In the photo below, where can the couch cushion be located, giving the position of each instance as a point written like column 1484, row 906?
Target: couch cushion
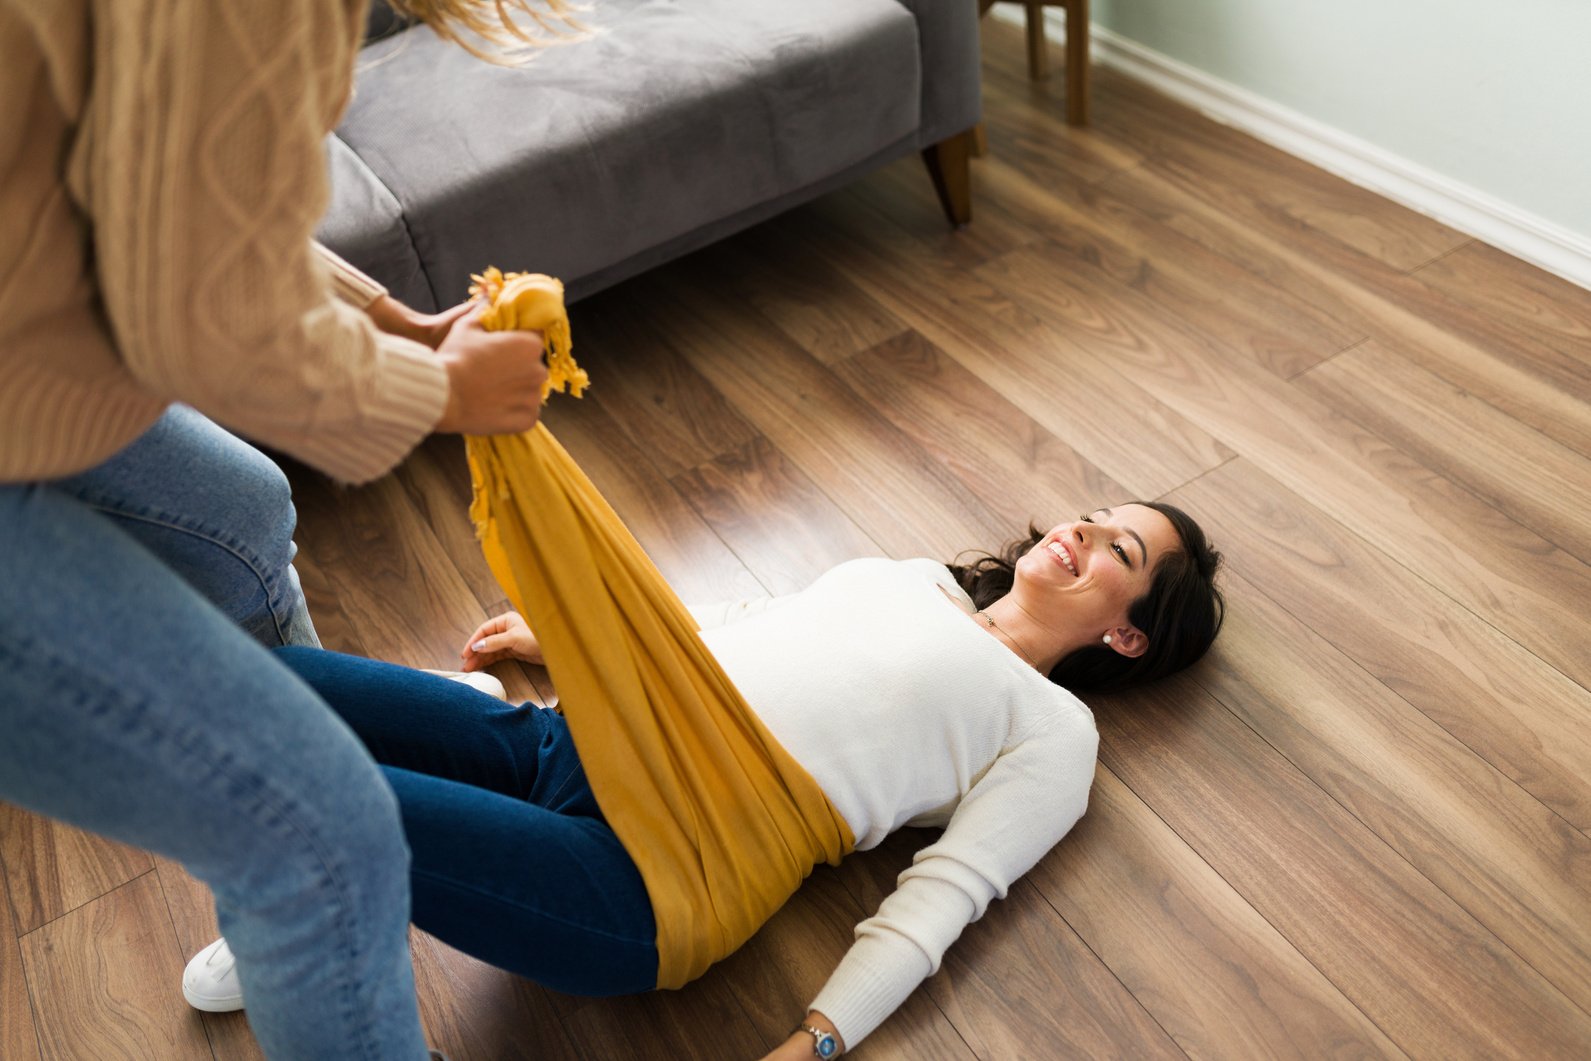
column 676, row 115
column 365, row 224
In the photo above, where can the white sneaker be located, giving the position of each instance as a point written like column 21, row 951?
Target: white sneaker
column 210, row 982
column 477, row 680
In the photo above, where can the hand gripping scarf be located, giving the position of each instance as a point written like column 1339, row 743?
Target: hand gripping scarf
column 722, row 823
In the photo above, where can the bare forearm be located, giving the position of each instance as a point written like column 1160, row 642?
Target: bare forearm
column 394, row 318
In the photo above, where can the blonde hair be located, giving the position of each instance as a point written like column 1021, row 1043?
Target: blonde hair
column 497, row 24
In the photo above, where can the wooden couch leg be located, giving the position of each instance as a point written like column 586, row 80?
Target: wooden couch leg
column 1077, row 31
column 1038, row 60
column 950, row 167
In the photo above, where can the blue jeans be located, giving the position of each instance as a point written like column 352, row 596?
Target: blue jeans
column 513, row 861
column 138, row 700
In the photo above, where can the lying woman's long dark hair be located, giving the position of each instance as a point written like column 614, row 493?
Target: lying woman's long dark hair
column 1180, row 614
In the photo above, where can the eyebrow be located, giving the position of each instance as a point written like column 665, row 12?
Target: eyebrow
column 1135, row 537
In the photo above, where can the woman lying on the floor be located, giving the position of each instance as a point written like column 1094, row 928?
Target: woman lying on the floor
column 912, row 692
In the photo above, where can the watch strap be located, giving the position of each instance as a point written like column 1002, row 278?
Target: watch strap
column 824, row 1044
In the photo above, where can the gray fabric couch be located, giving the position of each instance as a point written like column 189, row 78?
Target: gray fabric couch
column 680, row 122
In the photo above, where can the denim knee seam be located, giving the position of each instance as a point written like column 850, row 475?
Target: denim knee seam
column 256, row 565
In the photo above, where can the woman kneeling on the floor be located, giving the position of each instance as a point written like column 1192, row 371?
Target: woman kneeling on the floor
column 915, row 693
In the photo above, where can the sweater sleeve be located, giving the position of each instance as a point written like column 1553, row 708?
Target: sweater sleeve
column 203, row 171
column 1031, row 796
column 348, row 283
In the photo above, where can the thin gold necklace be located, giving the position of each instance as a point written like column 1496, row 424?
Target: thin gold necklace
column 1014, row 642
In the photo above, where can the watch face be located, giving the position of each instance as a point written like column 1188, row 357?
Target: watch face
column 827, row 1046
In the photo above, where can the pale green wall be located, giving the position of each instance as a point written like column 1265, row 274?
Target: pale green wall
column 1495, row 95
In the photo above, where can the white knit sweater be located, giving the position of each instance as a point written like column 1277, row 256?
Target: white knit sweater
column 906, row 712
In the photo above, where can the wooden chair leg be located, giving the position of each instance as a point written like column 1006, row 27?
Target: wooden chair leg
column 1038, row 62
column 980, row 141
column 1077, row 33
column 950, row 167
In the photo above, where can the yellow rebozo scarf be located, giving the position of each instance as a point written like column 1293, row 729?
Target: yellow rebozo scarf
column 722, row 823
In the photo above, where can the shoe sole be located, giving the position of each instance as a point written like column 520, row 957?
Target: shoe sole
column 229, row 1004
column 492, row 686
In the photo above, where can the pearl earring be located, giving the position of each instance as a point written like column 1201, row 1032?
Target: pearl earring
column 1107, row 639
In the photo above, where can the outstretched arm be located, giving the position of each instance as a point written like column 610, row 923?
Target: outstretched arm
column 1031, row 796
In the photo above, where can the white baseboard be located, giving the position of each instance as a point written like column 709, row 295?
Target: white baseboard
column 1536, row 240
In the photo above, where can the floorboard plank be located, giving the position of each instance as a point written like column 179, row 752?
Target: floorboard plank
column 53, row 868
column 1275, row 327
column 1527, row 301
column 777, row 521
column 1510, row 862
column 1015, row 467
column 703, row 1019
column 436, row 481
column 375, row 548
column 1028, row 131
column 18, row 1037
column 901, row 194
column 1427, row 333
column 105, row 980
column 1031, row 364
column 1488, row 691
column 1238, row 177
column 788, row 283
column 476, row 1012
column 1509, row 465
column 997, row 985
column 648, row 391
column 1431, row 977
column 693, row 558
column 1268, row 187
column 878, row 477
column 1209, row 969
column 332, row 625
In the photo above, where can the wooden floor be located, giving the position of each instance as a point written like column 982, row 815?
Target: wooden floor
column 1360, row 827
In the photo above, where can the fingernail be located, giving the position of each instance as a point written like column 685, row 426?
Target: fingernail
column 479, row 646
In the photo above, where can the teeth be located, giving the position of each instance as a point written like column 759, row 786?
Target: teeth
column 1058, row 550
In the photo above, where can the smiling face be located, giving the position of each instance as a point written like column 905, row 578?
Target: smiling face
column 1084, row 575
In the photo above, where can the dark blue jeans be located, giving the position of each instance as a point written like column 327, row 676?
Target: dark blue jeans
column 513, row 861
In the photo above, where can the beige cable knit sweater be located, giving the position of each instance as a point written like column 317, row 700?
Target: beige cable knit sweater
column 161, row 175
